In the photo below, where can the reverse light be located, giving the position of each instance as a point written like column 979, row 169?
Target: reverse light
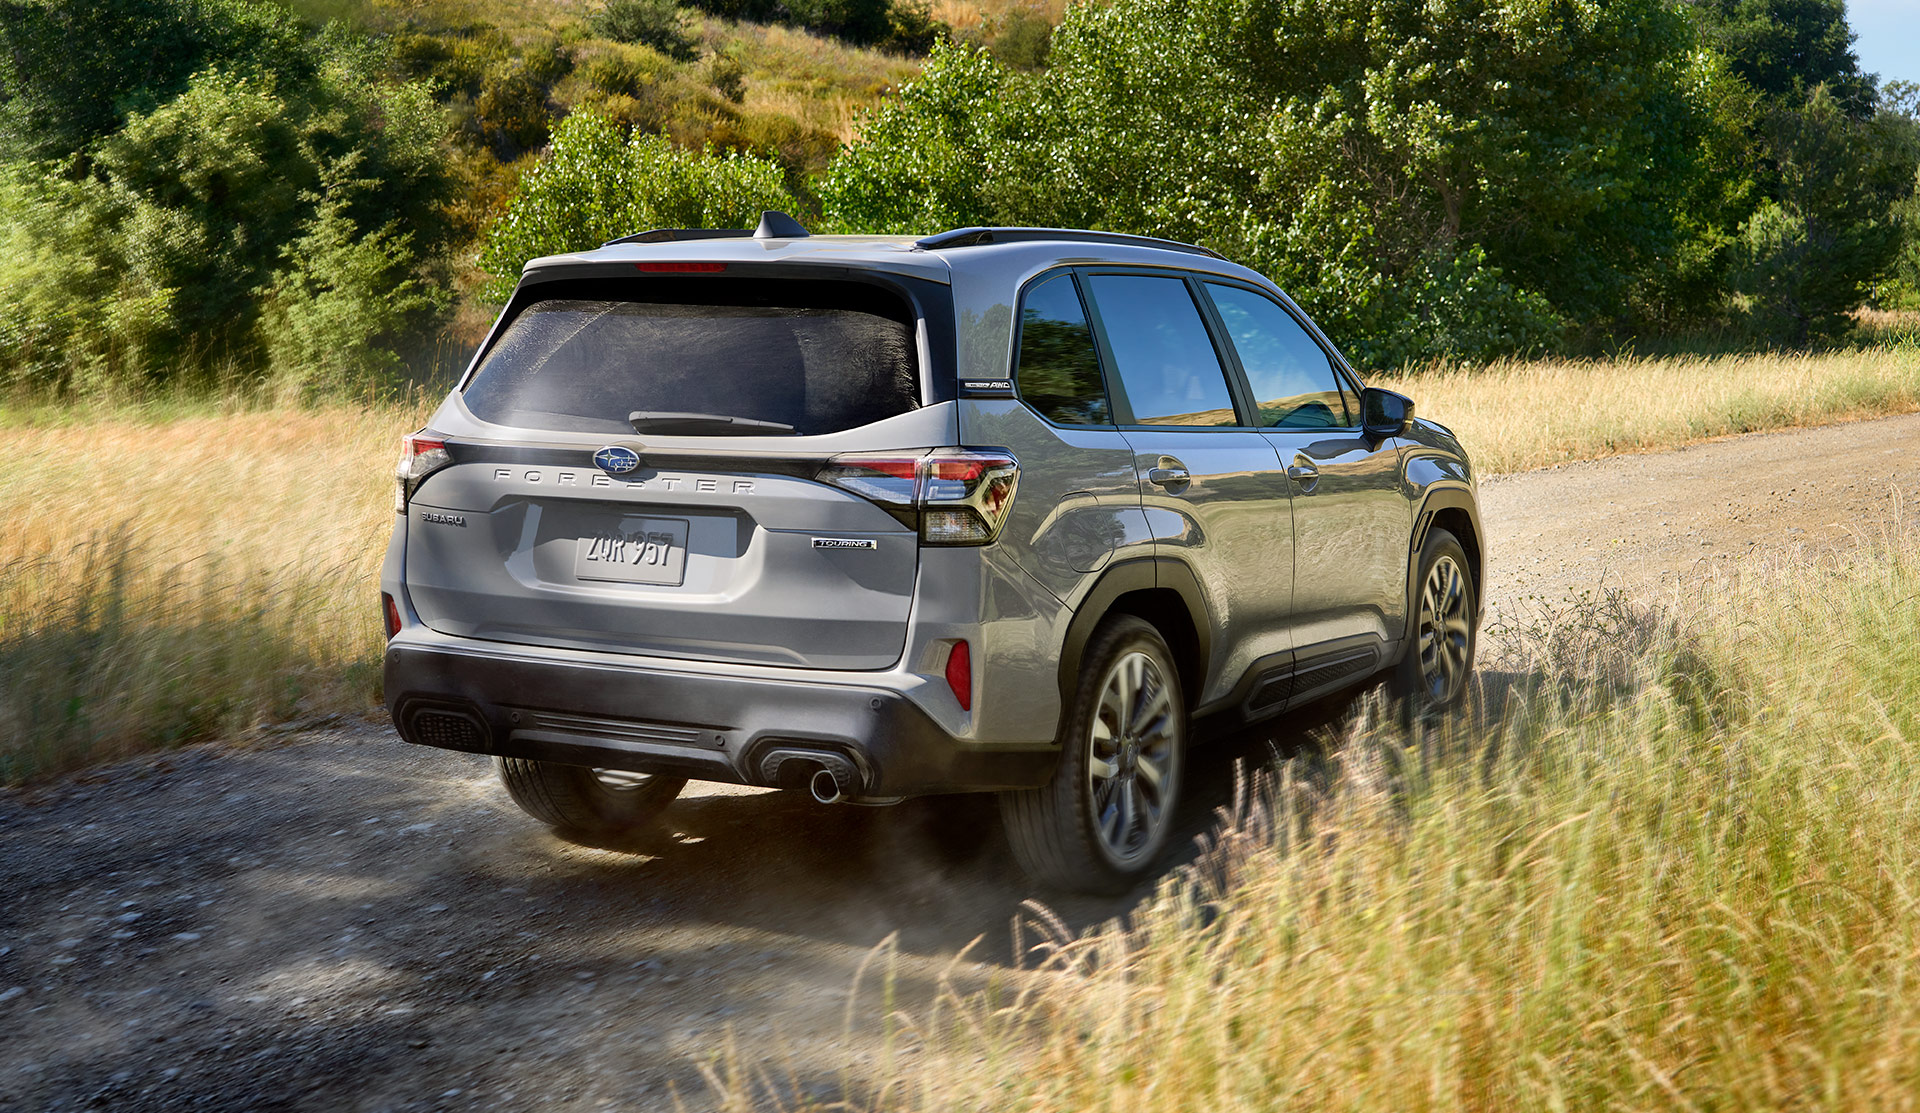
column 954, row 496
column 421, row 454
column 960, row 674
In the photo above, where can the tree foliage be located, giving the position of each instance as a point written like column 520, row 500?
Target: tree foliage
column 211, row 232
column 598, row 183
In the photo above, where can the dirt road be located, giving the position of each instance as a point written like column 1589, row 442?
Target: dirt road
column 341, row 921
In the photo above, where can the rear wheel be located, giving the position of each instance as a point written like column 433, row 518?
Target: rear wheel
column 590, row 801
column 1101, row 823
column 1433, row 673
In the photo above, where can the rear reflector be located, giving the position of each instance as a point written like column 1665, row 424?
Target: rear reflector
column 960, row 674
column 393, row 614
column 681, row 268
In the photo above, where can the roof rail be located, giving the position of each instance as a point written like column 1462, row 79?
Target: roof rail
column 674, row 235
column 979, row 237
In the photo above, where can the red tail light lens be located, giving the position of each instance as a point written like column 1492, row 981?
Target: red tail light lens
column 960, row 674
column 393, row 614
column 962, row 496
column 421, row 454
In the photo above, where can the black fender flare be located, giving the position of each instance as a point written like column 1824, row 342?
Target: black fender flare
column 1444, row 495
column 1139, row 574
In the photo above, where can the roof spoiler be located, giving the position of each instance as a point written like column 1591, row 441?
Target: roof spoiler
column 773, row 226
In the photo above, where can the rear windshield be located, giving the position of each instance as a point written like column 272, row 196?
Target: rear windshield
column 819, row 356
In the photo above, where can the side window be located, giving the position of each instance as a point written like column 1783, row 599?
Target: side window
column 1059, row 369
column 1294, row 386
column 1161, row 351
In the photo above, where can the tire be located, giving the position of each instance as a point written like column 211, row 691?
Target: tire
column 1092, row 832
column 589, row 801
column 1432, row 674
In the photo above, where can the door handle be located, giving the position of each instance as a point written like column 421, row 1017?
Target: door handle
column 1305, row 474
column 1175, row 476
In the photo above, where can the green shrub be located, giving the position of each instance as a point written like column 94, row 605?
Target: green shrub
column 340, row 306
column 597, row 183
column 222, row 206
column 660, row 24
column 72, row 71
column 911, row 28
column 1022, row 38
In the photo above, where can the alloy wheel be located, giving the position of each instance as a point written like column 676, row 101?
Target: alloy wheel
column 1445, row 630
column 1132, row 762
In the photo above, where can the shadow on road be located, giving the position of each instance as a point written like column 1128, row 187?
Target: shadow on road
column 936, row 871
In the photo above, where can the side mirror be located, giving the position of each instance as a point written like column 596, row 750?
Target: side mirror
column 1384, row 413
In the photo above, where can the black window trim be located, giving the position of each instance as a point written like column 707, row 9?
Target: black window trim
column 1099, row 350
column 1334, row 363
column 1117, row 398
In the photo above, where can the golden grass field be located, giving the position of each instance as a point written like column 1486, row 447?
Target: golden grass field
column 174, row 574
column 1677, row 869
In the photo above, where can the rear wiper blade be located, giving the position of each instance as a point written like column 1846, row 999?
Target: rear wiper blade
column 661, row 421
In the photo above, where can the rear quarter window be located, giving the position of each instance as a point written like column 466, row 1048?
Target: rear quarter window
column 818, row 356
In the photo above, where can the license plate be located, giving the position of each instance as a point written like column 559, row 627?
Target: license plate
column 635, row 551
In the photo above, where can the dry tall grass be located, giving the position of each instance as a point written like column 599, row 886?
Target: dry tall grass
column 167, row 577
column 1516, row 416
column 1684, row 873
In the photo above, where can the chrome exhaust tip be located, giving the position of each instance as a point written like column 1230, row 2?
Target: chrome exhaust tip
column 826, row 786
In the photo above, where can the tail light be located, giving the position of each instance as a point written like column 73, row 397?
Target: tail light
column 960, row 674
column 954, row 496
column 421, row 454
column 392, row 610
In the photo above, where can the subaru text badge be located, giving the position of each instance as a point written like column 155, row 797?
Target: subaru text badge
column 617, row 459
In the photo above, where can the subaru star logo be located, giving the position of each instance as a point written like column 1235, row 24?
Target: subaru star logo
column 615, row 460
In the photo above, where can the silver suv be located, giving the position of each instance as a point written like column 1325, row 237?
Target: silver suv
column 997, row 510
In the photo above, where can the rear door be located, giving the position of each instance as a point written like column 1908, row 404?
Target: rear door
column 1212, row 492
column 1351, row 516
column 615, row 492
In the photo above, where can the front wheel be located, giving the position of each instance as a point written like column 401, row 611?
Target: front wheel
column 1433, row 672
column 1101, row 823
column 587, row 801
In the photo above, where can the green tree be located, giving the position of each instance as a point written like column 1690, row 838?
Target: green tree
column 597, row 183
column 72, row 71
column 1784, row 48
column 1462, row 173
column 1830, row 224
column 160, row 257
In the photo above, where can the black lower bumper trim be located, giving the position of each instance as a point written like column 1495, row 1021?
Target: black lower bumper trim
column 686, row 724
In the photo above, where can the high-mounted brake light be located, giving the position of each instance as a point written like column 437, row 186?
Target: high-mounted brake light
column 955, row 496
column 681, row 268
column 421, row 454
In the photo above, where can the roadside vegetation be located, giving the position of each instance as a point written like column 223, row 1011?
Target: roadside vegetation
column 326, row 197
column 1672, row 869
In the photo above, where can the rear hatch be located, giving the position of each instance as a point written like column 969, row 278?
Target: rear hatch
column 634, row 466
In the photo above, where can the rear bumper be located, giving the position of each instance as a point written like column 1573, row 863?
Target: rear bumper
column 556, row 705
